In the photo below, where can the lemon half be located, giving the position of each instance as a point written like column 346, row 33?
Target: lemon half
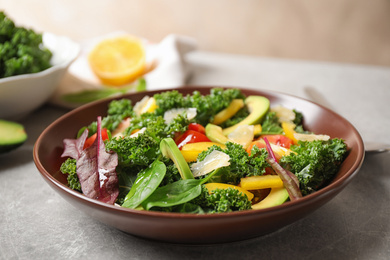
column 119, row 60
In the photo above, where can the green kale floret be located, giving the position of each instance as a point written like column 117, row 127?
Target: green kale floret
column 21, row 50
column 221, row 200
column 315, row 163
column 117, row 111
column 69, row 168
column 271, row 124
column 147, row 120
column 168, row 100
column 141, row 150
column 206, row 105
column 218, row 201
column 156, row 127
column 172, row 174
column 298, row 120
column 241, row 163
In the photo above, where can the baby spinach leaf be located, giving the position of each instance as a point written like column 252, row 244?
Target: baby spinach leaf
column 89, row 95
column 173, row 194
column 146, row 183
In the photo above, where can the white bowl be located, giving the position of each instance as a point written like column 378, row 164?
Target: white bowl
column 21, row 94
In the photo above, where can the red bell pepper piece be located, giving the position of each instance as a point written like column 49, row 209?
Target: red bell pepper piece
column 280, row 140
column 197, row 127
column 190, row 136
column 92, row 138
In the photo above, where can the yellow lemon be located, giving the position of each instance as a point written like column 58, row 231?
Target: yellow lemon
column 119, row 60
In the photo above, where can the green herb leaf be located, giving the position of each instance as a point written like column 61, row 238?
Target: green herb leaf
column 145, row 184
column 91, row 95
column 87, row 96
column 174, row 194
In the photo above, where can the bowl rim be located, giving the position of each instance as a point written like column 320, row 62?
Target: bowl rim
column 64, row 64
column 338, row 184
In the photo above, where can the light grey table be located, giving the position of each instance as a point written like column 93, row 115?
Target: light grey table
column 36, row 223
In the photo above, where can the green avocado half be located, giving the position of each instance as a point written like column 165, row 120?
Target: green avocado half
column 12, row 135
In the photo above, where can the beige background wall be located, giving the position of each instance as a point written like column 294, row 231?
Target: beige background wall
column 349, row 31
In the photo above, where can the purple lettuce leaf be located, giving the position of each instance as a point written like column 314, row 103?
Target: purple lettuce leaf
column 74, row 147
column 95, row 167
column 289, row 179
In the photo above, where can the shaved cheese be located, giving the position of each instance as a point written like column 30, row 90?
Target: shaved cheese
column 242, row 135
column 173, row 113
column 140, row 104
column 284, row 114
column 216, row 159
column 141, row 131
column 311, row 137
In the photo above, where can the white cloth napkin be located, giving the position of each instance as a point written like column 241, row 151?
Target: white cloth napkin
column 171, row 70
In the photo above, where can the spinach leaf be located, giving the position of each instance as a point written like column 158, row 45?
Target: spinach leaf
column 89, row 95
column 174, row 194
column 145, row 184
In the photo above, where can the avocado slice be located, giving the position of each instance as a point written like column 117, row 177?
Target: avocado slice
column 215, row 134
column 12, row 135
column 277, row 196
column 258, row 106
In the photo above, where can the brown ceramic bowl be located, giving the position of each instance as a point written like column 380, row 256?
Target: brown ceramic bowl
column 192, row 228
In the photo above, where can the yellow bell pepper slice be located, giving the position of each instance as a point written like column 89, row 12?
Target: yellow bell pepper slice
column 261, row 182
column 213, row 186
column 257, row 130
column 288, row 129
column 281, row 151
column 228, row 112
column 192, row 150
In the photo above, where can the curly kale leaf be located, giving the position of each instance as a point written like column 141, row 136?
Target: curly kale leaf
column 69, row 168
column 141, row 150
column 241, row 163
column 221, row 200
column 209, row 105
column 315, row 163
column 271, row 124
column 156, row 126
column 298, row 117
column 172, row 174
column 168, row 100
column 298, row 121
column 206, row 105
column 117, row 111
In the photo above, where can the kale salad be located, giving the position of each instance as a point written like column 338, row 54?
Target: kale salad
column 21, row 49
column 201, row 154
